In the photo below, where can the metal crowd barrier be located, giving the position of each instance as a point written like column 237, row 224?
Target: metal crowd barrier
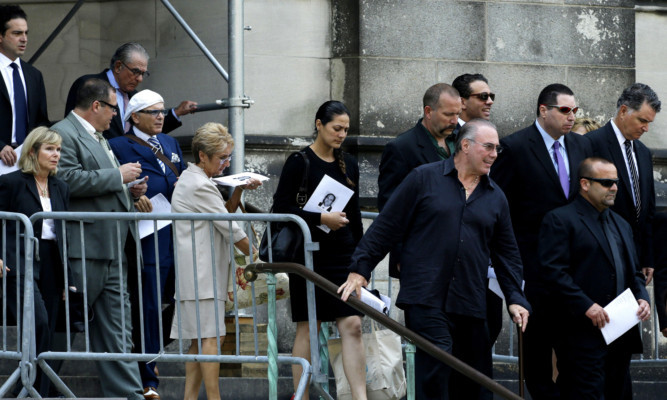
column 24, row 349
column 81, row 219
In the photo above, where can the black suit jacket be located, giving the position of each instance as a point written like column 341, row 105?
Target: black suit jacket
column 117, row 127
column 660, row 262
column 18, row 194
column 401, row 155
column 37, row 113
column 526, row 174
column 577, row 264
column 605, row 144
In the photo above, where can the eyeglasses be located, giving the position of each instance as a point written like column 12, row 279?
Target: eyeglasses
column 154, row 113
column 604, row 182
column 563, row 109
column 489, row 146
column 113, row 108
column 484, row 96
column 224, row 159
column 136, row 71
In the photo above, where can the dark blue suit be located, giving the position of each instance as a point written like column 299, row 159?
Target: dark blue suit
column 127, row 150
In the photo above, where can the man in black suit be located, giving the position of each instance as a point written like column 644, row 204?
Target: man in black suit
column 616, row 141
column 429, row 141
column 588, row 258
column 536, row 171
column 128, row 67
column 22, row 93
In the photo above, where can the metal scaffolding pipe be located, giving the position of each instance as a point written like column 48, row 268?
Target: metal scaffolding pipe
column 235, row 93
column 55, row 32
column 195, row 39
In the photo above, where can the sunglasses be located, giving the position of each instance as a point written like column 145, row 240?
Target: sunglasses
column 563, row 109
column 604, row 182
column 489, row 146
column 484, row 96
column 154, row 113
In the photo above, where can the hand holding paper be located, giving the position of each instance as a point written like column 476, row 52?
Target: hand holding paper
column 623, row 313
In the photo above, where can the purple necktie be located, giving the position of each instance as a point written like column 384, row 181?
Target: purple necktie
column 562, row 172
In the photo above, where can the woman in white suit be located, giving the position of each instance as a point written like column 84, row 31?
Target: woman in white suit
column 212, row 148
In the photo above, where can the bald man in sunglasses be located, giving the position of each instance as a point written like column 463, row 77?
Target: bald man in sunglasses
column 537, row 171
column 588, row 258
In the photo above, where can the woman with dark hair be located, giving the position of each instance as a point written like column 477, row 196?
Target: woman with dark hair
column 332, row 123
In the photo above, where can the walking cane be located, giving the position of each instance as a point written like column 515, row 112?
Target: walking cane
column 521, row 394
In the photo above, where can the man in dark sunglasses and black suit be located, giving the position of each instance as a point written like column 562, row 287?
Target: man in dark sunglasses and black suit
column 588, row 258
column 128, row 68
column 537, row 171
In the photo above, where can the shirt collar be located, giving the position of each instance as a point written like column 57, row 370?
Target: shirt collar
column 112, row 80
column 619, row 136
column 548, row 140
column 5, row 61
column 461, row 122
column 141, row 135
column 450, row 169
column 86, row 125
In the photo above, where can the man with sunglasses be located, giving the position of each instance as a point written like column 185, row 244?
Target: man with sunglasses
column 128, row 68
column 536, row 170
column 476, row 97
column 430, row 140
column 588, row 257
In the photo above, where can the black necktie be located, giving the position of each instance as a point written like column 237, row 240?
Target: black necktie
column 20, row 106
column 613, row 244
column 634, row 175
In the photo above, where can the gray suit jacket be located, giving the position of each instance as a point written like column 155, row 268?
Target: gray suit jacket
column 95, row 185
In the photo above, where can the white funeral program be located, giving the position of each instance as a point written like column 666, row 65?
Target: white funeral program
column 5, row 169
column 239, row 179
column 623, row 316
column 330, row 195
column 160, row 205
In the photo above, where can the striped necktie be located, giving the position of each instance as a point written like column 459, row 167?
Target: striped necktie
column 634, row 175
column 155, row 144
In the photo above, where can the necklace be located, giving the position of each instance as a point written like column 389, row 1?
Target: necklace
column 43, row 189
column 471, row 187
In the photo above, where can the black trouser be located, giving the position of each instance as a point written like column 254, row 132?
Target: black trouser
column 47, row 273
column 538, row 341
column 464, row 337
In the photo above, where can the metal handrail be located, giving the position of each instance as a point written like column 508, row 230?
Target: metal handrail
column 252, row 270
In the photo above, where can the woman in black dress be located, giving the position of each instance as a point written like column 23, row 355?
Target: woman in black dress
column 332, row 123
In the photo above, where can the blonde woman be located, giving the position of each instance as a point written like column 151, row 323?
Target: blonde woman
column 212, row 148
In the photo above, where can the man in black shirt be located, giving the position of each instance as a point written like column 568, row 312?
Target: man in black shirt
column 450, row 218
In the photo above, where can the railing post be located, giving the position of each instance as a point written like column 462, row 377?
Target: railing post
column 235, row 45
column 410, row 368
column 272, row 337
column 324, row 354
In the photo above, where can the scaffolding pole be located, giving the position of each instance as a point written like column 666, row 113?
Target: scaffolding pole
column 235, row 93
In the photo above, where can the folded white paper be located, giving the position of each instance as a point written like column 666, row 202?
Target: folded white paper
column 160, row 205
column 623, row 316
column 239, row 179
column 494, row 286
column 138, row 181
column 382, row 304
column 5, row 169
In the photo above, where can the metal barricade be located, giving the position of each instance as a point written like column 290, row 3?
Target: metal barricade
column 79, row 220
column 24, row 349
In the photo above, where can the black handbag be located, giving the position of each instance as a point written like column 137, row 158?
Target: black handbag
column 286, row 237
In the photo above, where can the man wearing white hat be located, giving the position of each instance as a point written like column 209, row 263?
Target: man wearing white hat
column 161, row 161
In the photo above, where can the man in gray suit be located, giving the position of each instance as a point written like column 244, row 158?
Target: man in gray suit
column 98, row 183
